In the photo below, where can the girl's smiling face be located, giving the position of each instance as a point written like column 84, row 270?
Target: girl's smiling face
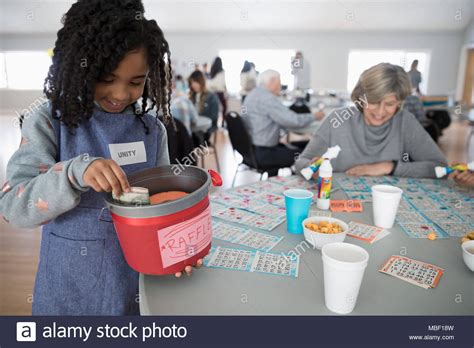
column 125, row 84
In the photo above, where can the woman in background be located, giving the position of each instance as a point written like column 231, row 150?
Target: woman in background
column 377, row 136
column 205, row 102
column 216, row 83
column 415, row 76
column 248, row 79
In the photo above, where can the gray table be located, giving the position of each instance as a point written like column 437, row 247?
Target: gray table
column 226, row 292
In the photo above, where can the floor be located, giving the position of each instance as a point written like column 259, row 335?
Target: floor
column 19, row 248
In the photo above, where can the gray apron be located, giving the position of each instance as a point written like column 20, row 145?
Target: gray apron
column 82, row 270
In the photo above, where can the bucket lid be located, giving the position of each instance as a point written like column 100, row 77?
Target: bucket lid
column 191, row 179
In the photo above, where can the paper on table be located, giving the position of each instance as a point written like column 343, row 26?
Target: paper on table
column 248, row 218
column 366, row 233
column 346, row 205
column 412, row 271
column 229, row 258
column 244, row 236
column 253, row 261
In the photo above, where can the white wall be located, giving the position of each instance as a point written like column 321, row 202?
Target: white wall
column 326, row 51
column 469, row 33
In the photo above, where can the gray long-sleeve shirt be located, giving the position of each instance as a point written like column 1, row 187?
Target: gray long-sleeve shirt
column 264, row 116
column 34, row 179
column 400, row 139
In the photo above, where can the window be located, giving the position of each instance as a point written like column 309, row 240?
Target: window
column 360, row 60
column 233, row 61
column 24, row 69
column 3, row 71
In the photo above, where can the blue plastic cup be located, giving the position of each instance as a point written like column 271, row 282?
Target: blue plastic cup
column 297, row 204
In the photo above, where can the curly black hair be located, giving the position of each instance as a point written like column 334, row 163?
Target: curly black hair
column 95, row 37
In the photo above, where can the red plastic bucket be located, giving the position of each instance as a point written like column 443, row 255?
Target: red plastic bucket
column 164, row 238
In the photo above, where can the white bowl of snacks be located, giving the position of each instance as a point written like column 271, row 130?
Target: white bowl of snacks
column 319, row 230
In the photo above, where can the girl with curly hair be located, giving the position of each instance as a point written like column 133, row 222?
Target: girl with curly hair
column 110, row 67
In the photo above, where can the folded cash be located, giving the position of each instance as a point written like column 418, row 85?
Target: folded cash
column 136, row 195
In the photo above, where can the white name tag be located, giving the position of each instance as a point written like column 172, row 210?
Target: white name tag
column 128, row 153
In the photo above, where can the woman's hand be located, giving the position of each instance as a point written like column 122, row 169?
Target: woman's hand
column 105, row 175
column 319, row 115
column 375, row 169
column 463, row 178
column 189, row 269
column 316, row 173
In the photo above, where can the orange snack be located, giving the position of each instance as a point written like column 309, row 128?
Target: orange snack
column 469, row 236
column 324, row 227
column 431, row 236
column 168, row 196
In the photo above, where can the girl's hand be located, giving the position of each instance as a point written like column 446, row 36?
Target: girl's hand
column 105, row 175
column 463, row 178
column 376, row 169
column 189, row 269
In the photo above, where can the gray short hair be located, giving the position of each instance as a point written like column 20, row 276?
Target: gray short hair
column 265, row 77
column 381, row 80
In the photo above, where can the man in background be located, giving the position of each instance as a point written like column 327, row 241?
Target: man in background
column 265, row 116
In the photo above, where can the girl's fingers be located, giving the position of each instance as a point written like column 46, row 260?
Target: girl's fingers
column 95, row 185
column 103, row 182
column 189, row 269
column 120, row 175
column 113, row 181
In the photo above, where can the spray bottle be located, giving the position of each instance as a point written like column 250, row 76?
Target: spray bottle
column 332, row 152
column 324, row 184
column 442, row 171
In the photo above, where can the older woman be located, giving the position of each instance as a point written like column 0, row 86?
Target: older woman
column 376, row 136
